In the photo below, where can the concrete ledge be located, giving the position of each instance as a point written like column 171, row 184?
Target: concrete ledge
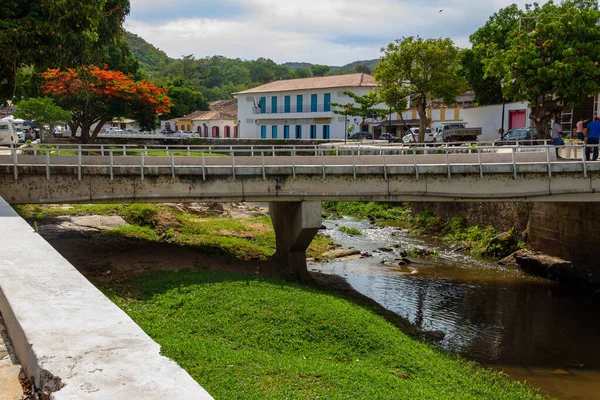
column 72, row 341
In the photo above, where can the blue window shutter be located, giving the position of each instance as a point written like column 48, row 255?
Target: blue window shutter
column 298, row 131
column 299, row 106
column 263, row 132
column 313, row 102
column 325, row 131
column 313, row 131
column 327, row 102
column 287, row 104
column 263, row 105
column 274, row 105
column 274, row 132
column 286, row 131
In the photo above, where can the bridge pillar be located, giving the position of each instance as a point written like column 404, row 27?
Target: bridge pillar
column 296, row 223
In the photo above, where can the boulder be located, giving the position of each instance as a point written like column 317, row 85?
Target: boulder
column 546, row 266
column 340, row 253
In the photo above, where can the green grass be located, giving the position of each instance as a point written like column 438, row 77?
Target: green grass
column 350, row 231
column 242, row 337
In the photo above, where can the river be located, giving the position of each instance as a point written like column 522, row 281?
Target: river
column 531, row 328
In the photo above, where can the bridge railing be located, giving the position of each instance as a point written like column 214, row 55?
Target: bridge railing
column 238, row 157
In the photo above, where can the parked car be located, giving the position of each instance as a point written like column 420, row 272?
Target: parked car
column 452, row 132
column 389, row 138
column 412, row 136
column 360, row 135
column 524, row 136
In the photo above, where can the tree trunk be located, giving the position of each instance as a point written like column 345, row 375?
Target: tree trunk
column 422, row 109
column 85, row 133
column 97, row 129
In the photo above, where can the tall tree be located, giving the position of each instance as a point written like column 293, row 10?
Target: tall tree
column 55, row 33
column 488, row 89
column 96, row 96
column 43, row 111
column 551, row 58
column 185, row 99
column 427, row 67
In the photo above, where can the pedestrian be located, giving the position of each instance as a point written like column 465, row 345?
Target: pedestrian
column 593, row 139
column 580, row 125
column 556, row 139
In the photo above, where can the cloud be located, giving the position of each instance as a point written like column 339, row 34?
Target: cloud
column 333, row 32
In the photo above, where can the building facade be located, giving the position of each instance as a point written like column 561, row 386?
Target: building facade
column 300, row 108
column 221, row 121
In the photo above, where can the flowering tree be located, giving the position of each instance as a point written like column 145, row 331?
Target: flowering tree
column 97, row 95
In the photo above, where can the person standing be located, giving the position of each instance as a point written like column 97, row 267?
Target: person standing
column 580, row 125
column 556, row 139
column 593, row 139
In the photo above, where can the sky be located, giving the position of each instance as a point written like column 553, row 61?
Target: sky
column 330, row 32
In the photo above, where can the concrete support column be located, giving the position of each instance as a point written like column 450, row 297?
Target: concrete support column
column 296, row 223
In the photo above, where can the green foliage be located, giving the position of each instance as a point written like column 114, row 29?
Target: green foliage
column 43, row 111
column 427, row 220
column 350, row 231
column 185, row 98
column 362, row 106
column 423, row 67
column 547, row 55
column 320, row 70
column 250, row 338
column 59, row 34
column 378, row 211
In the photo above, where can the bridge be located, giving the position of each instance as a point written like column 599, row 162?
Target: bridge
column 294, row 179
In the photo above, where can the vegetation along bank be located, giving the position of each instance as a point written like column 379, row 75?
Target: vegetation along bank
column 240, row 333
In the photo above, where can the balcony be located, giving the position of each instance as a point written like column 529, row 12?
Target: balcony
column 308, row 108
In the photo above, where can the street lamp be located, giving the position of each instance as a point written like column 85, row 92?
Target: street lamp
column 503, row 103
column 390, row 127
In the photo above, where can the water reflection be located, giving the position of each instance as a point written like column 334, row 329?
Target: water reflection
column 488, row 313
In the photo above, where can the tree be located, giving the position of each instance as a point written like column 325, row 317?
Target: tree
column 43, row 111
column 362, row 69
column 495, row 31
column 362, row 106
column 97, row 96
column 427, row 67
column 55, row 34
column 302, row 73
column 396, row 97
column 320, row 70
column 185, row 99
column 551, row 58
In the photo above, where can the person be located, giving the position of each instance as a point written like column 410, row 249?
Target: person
column 593, row 139
column 580, row 125
column 556, row 139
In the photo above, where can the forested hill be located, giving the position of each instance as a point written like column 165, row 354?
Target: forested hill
column 217, row 77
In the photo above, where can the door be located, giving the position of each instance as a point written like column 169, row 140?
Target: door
column 263, row 132
column 516, row 119
column 286, row 131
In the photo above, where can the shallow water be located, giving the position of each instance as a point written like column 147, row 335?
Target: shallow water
column 532, row 328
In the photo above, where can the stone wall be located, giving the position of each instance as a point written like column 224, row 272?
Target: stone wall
column 570, row 231
column 502, row 216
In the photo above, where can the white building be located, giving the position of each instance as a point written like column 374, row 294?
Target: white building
column 300, row 108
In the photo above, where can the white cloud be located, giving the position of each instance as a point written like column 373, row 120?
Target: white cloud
column 332, row 32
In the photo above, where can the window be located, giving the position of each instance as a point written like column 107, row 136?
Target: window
column 263, row 105
column 313, row 131
column 235, row 131
column 313, row 103
column 215, row 131
column 326, row 132
column 286, row 131
column 299, row 106
column 287, row 104
column 274, row 105
column 327, row 102
column 298, row 131
column 274, row 132
column 227, row 131
column 263, row 132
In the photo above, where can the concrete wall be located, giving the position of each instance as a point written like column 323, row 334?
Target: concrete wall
column 72, row 341
column 570, row 231
column 489, row 118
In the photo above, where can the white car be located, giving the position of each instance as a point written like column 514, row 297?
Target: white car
column 412, row 136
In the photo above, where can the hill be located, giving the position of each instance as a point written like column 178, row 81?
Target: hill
column 150, row 58
column 336, row 69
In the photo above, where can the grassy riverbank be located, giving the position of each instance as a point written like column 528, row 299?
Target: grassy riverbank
column 243, row 337
column 476, row 240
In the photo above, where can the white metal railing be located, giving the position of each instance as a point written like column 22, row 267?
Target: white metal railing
column 296, row 154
